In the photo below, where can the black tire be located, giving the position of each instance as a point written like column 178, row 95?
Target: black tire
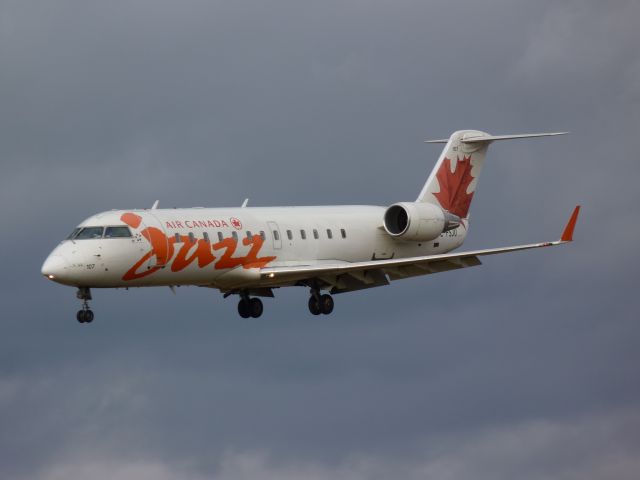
column 243, row 309
column 255, row 307
column 326, row 304
column 88, row 316
column 314, row 306
column 80, row 316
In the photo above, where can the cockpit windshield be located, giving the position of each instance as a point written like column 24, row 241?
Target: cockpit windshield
column 84, row 233
column 74, row 233
column 117, row 232
column 89, row 232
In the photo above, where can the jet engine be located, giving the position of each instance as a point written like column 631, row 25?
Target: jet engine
column 418, row 222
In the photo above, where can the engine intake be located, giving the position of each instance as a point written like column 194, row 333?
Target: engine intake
column 418, row 221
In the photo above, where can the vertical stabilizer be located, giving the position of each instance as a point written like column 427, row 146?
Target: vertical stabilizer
column 454, row 179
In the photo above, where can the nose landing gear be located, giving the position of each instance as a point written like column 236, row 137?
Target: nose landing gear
column 85, row 315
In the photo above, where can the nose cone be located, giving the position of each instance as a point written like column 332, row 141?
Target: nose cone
column 54, row 267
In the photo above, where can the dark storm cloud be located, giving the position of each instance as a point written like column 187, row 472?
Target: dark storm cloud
column 522, row 367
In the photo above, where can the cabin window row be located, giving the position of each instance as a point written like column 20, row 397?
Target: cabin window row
column 316, row 234
column 249, row 235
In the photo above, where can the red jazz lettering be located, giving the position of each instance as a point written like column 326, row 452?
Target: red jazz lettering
column 199, row 251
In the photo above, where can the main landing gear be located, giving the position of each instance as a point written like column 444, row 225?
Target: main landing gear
column 249, row 307
column 320, row 303
column 85, row 315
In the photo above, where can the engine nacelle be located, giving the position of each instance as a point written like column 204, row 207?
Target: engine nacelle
column 418, row 222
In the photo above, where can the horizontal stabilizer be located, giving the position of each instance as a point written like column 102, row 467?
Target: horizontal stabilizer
column 491, row 138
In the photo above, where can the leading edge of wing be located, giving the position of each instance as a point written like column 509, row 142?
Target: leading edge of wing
column 275, row 273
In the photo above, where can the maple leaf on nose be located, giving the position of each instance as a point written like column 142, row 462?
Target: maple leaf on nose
column 453, row 195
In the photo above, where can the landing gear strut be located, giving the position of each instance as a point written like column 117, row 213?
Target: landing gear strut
column 85, row 315
column 320, row 303
column 249, row 307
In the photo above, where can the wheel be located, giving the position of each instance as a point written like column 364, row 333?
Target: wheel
column 243, row 309
column 88, row 316
column 314, row 306
column 80, row 316
column 255, row 307
column 326, row 304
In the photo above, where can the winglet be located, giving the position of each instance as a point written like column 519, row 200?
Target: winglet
column 567, row 235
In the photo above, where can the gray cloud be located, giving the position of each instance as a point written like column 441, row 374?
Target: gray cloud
column 592, row 447
column 522, row 367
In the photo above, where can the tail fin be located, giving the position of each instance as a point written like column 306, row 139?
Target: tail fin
column 454, row 179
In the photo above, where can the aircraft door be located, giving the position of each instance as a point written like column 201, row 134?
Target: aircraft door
column 383, row 247
column 159, row 242
column 274, row 231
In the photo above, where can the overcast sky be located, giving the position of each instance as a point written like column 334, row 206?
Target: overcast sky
column 524, row 368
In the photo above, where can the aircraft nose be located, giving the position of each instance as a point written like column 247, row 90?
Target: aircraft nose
column 54, row 267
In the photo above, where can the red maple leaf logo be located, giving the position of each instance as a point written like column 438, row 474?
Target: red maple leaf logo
column 453, row 195
column 237, row 224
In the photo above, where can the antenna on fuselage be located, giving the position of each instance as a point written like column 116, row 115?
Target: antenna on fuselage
column 244, row 204
column 155, row 205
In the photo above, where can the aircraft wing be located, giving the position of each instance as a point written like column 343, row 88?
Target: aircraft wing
column 348, row 276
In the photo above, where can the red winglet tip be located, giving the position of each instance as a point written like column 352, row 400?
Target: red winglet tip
column 567, row 234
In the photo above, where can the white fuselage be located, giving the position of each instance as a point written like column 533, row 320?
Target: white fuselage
column 225, row 247
column 250, row 251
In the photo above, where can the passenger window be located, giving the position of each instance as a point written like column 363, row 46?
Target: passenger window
column 329, row 234
column 178, row 238
column 89, row 232
column 220, row 237
column 205, row 235
column 315, row 234
column 343, row 233
column 234, row 235
column 289, row 235
column 276, row 235
column 192, row 238
column 249, row 235
column 303, row 235
column 262, row 235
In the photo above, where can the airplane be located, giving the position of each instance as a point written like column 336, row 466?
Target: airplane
column 250, row 251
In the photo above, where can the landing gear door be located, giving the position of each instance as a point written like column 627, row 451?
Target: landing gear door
column 274, row 231
column 159, row 242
